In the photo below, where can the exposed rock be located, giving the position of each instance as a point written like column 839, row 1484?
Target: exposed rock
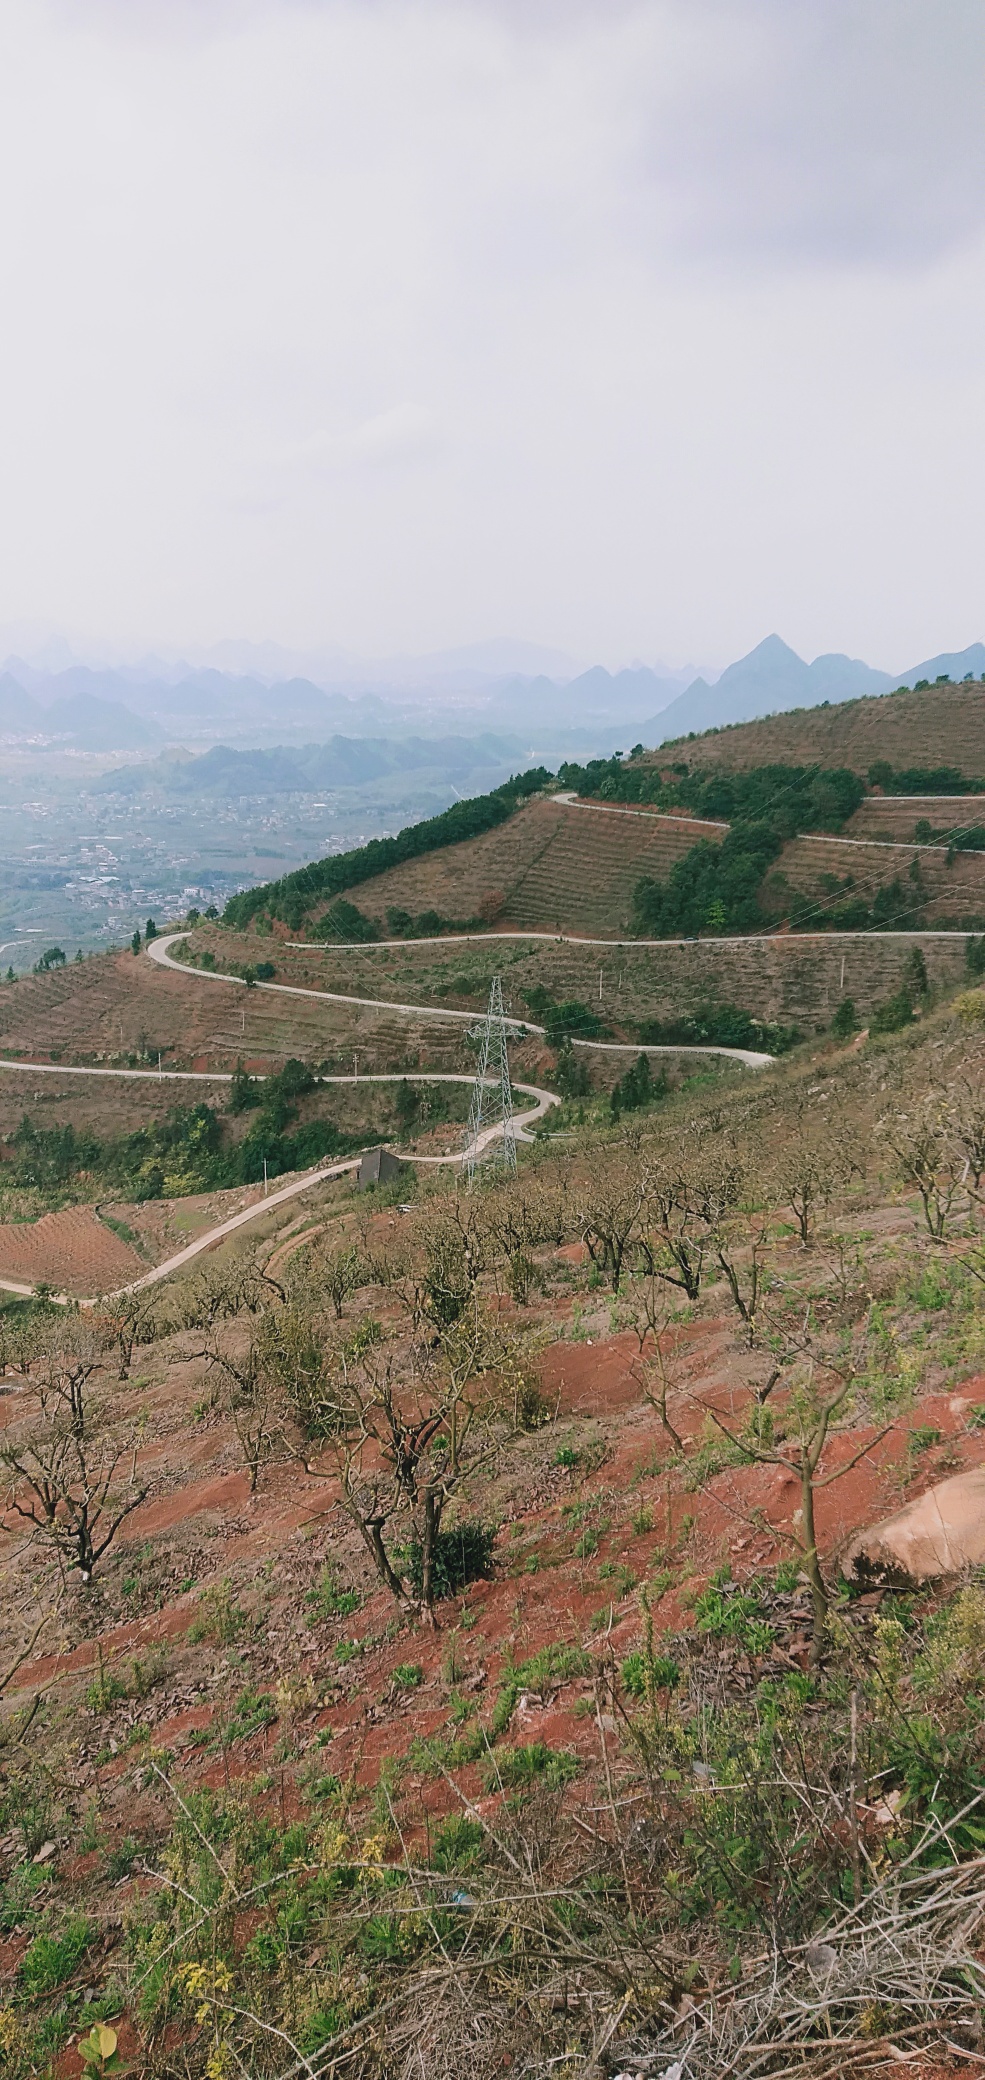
column 940, row 1533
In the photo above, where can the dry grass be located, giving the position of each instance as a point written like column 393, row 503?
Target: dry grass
column 937, row 728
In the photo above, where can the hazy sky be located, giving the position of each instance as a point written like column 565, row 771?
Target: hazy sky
column 640, row 327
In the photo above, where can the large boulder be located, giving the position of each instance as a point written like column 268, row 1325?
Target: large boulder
column 942, row 1532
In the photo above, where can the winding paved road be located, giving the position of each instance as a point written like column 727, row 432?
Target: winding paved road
column 522, row 1121
column 158, row 951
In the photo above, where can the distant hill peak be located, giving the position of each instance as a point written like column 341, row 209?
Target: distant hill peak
column 768, row 680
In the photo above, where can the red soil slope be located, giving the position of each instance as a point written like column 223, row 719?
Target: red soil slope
column 71, row 1250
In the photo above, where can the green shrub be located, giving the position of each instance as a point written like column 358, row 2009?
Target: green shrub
column 642, row 1673
column 327, row 1600
column 541, row 1673
column 408, row 1675
column 120, row 1861
column 50, row 1960
column 638, row 1088
column 460, row 1556
column 103, row 1692
column 346, row 923
column 845, row 1020
column 724, row 1612
column 321, row 2026
column 719, row 1025
column 220, row 1617
column 924, row 1438
column 19, row 1899
column 569, row 1021
column 325, row 1787
column 253, row 1710
column 459, row 1845
column 894, row 1014
column 517, row 1768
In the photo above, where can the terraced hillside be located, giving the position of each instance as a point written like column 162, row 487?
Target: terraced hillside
column 945, row 891
column 893, row 819
column 552, row 867
column 113, row 1009
column 580, row 872
column 795, row 978
column 583, row 881
column 72, row 1250
column 944, row 726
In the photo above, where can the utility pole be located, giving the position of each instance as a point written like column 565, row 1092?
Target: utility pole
column 492, row 1094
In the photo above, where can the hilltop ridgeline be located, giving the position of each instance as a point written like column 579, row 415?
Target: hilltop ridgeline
column 923, row 726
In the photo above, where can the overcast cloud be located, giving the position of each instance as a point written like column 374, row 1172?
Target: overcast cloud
column 641, row 329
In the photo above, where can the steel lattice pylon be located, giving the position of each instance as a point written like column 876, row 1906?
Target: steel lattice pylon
column 492, row 1095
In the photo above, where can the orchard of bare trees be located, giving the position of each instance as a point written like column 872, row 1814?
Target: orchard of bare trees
column 330, row 1549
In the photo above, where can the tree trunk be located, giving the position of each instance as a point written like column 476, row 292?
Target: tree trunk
column 812, row 1565
column 429, row 1540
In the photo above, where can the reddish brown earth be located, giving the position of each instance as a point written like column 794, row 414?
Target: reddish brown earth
column 73, row 1251
column 651, row 1527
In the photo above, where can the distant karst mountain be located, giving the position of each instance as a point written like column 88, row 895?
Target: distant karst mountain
column 772, row 679
column 82, row 721
column 342, row 762
column 140, row 709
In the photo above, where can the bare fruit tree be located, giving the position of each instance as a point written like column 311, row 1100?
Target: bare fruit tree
column 654, row 1326
column 417, row 1427
column 928, row 1159
column 130, row 1320
column 813, row 1163
column 250, row 1395
column 71, row 1475
column 611, row 1213
column 818, row 1376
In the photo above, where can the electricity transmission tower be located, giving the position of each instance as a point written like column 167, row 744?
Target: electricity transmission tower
column 492, row 1096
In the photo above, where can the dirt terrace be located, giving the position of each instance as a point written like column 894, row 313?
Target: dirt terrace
column 202, row 1525
column 894, row 818
column 77, row 1015
column 73, row 1251
column 947, row 893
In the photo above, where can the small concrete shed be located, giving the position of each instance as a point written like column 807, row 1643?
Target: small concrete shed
column 378, row 1166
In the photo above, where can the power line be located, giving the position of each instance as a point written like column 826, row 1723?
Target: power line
column 866, row 881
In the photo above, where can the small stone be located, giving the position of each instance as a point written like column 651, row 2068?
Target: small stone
column 821, row 1959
